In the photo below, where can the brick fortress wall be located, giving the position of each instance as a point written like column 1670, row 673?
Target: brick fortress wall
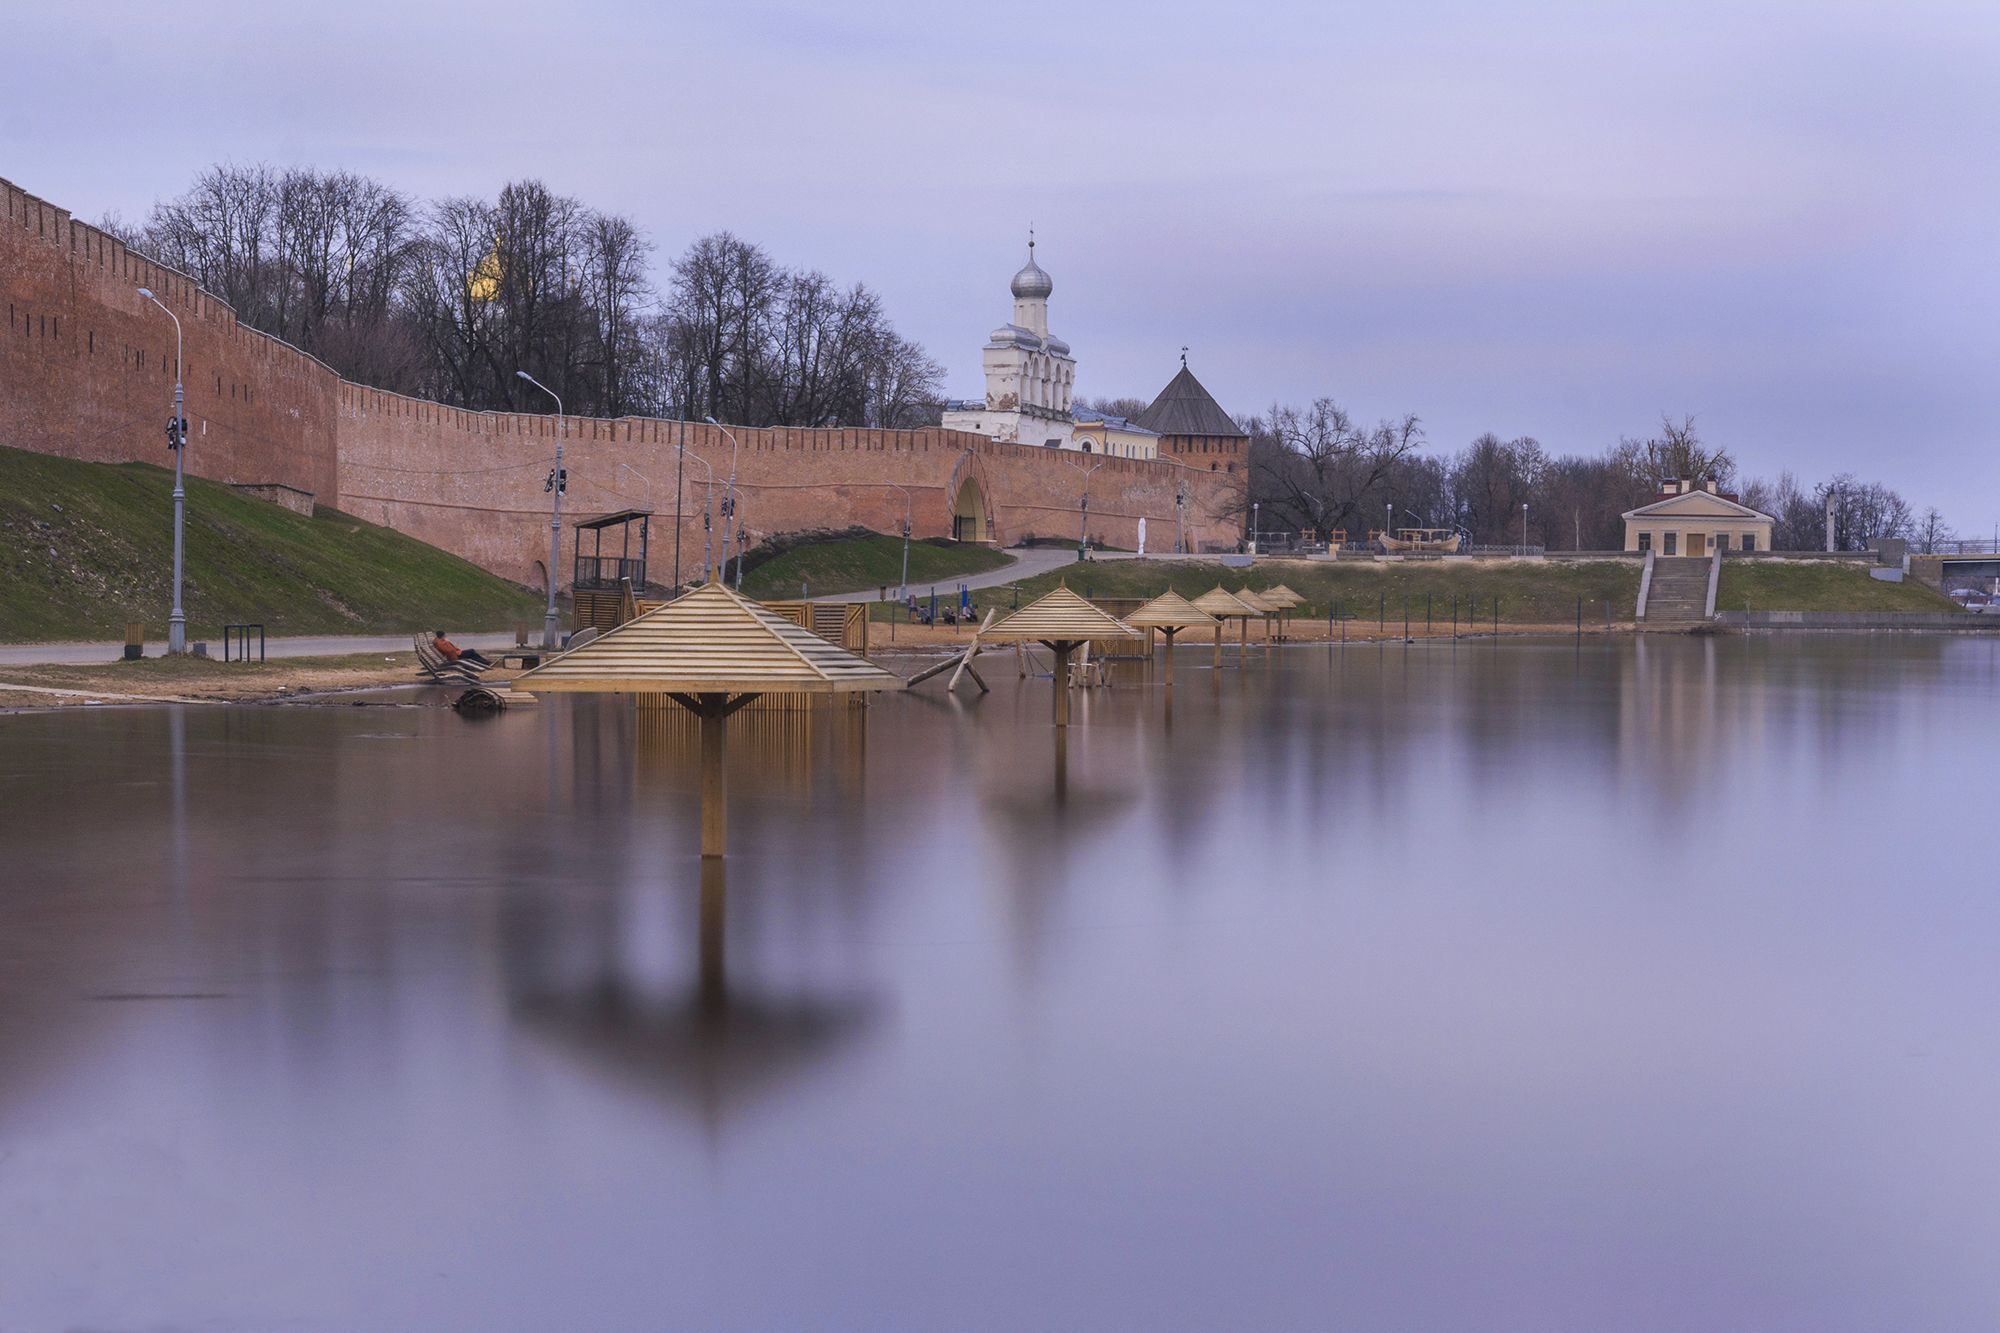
column 87, row 364
column 86, row 371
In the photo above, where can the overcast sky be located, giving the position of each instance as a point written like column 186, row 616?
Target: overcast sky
column 1556, row 220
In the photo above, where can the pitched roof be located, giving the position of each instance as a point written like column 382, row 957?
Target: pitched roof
column 710, row 641
column 1185, row 408
column 1697, row 503
column 1059, row 616
column 1223, row 604
column 1254, row 601
column 1169, row 610
column 1281, row 596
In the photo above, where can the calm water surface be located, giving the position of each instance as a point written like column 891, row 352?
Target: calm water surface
column 1647, row 986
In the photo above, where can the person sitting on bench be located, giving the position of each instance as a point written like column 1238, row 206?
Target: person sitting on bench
column 453, row 653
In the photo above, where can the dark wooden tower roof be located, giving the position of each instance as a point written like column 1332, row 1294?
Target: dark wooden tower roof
column 1185, row 408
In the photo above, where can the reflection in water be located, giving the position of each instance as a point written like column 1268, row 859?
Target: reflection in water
column 1642, row 985
column 706, row 1045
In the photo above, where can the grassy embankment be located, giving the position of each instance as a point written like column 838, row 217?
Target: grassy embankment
column 85, row 547
column 1530, row 593
column 857, row 564
column 1776, row 585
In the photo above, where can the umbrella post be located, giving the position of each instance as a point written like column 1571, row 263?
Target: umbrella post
column 1218, row 645
column 1062, row 648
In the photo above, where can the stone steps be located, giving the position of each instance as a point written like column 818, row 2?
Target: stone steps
column 1679, row 593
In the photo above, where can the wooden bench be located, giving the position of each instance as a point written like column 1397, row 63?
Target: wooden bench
column 431, row 665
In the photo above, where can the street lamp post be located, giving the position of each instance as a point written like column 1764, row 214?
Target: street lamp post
column 729, row 495
column 1524, row 529
column 177, row 441
column 1256, row 524
column 1083, row 513
column 707, row 513
column 558, row 483
column 1390, row 530
column 909, row 513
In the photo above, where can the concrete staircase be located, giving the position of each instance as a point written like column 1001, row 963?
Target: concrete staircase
column 1679, row 594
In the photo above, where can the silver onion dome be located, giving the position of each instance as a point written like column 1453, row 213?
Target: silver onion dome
column 1031, row 283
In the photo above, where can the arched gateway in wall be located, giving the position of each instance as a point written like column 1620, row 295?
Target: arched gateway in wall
column 969, row 521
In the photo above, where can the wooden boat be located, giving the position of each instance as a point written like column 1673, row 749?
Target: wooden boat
column 1440, row 541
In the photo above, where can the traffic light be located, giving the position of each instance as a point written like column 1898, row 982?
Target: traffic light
column 176, row 432
column 558, row 481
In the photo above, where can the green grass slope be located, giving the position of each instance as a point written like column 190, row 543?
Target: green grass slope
column 85, row 547
column 1529, row 593
column 1779, row 585
column 858, row 564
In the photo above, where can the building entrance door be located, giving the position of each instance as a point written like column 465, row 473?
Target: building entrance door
column 1697, row 543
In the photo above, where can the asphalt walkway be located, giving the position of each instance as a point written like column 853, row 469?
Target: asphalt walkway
column 324, row 645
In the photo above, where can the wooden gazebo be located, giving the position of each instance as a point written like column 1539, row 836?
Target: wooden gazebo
column 1061, row 622
column 1170, row 613
column 712, row 652
column 1224, row 605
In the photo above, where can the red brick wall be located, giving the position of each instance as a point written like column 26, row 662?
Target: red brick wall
column 86, row 371
column 87, row 365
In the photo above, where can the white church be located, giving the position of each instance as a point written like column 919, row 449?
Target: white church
column 1030, row 380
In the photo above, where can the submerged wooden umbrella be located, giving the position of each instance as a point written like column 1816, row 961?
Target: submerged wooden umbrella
column 1060, row 621
column 1170, row 613
column 1255, row 601
column 1223, row 605
column 1284, row 599
column 711, row 652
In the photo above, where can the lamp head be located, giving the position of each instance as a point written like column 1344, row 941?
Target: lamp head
column 711, row 421
column 525, row 375
column 147, row 293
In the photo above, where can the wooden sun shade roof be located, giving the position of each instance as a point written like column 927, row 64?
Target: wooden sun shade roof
column 1281, row 596
column 1223, row 604
column 1060, row 616
column 710, row 641
column 1169, row 610
column 1254, row 601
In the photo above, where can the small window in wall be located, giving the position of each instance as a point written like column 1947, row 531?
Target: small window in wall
column 1673, row 543
column 1749, row 541
column 1645, row 541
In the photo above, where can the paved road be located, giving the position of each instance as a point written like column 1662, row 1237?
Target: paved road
column 90, row 654
column 1028, row 562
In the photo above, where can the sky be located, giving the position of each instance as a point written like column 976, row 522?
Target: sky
column 1559, row 220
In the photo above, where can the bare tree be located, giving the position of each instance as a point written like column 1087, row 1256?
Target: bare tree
column 1678, row 453
column 1317, row 469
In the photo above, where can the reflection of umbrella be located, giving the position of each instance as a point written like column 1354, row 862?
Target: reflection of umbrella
column 711, row 652
column 1060, row 621
column 713, row 1048
column 1224, row 605
column 1170, row 613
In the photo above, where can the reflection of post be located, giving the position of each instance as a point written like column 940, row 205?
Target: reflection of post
column 713, row 987
column 1167, row 632
column 1062, row 648
column 1218, row 643
column 1062, row 767
column 714, row 813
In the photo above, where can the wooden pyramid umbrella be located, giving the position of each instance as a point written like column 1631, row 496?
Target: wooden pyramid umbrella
column 1223, row 605
column 1170, row 613
column 711, row 652
column 1060, row 621
column 1261, row 607
column 1284, row 599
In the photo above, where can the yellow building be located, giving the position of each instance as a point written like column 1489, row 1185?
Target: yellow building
column 1097, row 433
column 1695, row 518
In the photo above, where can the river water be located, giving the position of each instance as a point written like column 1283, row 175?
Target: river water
column 1642, row 985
